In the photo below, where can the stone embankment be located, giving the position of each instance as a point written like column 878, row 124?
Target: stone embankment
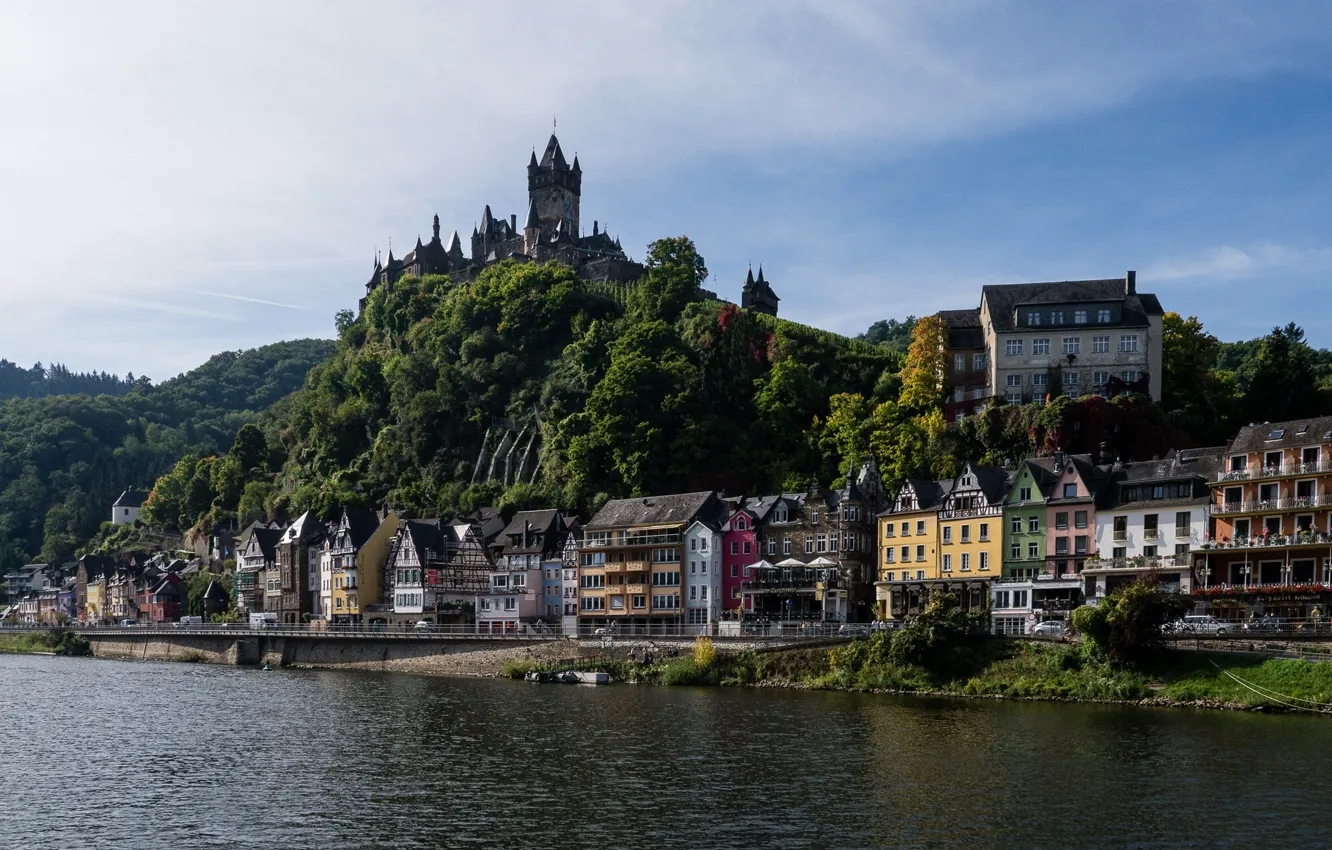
column 432, row 656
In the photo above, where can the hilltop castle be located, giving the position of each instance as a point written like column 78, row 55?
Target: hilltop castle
column 550, row 231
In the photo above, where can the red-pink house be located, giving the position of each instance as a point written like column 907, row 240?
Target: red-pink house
column 742, row 546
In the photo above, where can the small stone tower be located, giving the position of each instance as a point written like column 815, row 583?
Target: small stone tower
column 757, row 295
column 553, row 190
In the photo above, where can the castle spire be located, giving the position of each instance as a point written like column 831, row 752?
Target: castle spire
column 749, row 278
column 533, row 220
column 487, row 221
column 436, row 227
column 760, row 277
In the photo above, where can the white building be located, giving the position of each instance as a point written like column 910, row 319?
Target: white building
column 1078, row 337
column 127, row 507
column 569, row 580
column 703, row 577
column 528, row 551
column 1153, row 515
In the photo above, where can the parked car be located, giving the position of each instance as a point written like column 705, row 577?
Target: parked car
column 129, row 622
column 885, row 625
column 853, row 630
column 1051, row 629
column 1200, row 624
column 424, row 626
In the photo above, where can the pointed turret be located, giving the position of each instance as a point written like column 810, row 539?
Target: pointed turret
column 454, row 248
column 760, row 280
column 553, row 155
column 436, row 229
column 532, row 165
column 576, row 169
column 487, row 221
column 419, row 246
column 533, row 220
column 374, row 275
column 749, row 280
column 757, row 294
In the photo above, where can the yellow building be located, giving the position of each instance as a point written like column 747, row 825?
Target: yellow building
column 95, row 606
column 352, row 565
column 942, row 535
column 908, row 539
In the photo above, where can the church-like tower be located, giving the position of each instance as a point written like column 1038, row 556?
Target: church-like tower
column 757, row 295
column 553, row 190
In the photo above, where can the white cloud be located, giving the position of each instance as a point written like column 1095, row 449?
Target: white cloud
column 167, row 146
column 1229, row 262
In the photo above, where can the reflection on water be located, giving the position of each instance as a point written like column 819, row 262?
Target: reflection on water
column 121, row 755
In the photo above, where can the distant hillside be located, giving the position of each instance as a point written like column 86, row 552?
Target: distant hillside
column 65, row 458
column 56, row 379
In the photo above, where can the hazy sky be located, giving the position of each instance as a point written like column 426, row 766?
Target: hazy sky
column 178, row 179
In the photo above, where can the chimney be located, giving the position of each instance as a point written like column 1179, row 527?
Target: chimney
column 1131, row 282
column 513, row 224
column 1059, row 461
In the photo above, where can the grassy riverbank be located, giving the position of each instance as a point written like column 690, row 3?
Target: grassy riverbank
column 1005, row 669
column 45, row 643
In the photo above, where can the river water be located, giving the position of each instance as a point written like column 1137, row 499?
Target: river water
column 104, row 754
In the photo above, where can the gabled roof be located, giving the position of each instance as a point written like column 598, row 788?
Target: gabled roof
column 360, row 523
column 1003, row 300
column 960, row 318
column 1254, row 438
column 679, row 508
column 305, row 529
column 991, row 481
column 131, row 499
column 532, row 533
column 426, row 534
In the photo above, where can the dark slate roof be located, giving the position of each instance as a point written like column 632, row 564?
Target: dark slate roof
column 929, row 494
column 652, row 510
column 1199, row 463
column 1005, row 299
column 961, row 318
column 131, row 499
column 361, row 524
column 268, row 540
column 216, row 592
column 1253, row 438
column 427, row 534
column 545, row 523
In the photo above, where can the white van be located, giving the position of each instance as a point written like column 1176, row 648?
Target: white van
column 265, row 620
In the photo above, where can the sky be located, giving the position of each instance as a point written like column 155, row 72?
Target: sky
column 178, row 179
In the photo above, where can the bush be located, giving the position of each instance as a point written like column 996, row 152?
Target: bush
column 517, row 668
column 1126, row 626
column 704, row 652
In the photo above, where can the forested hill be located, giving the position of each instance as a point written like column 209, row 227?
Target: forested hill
column 56, row 379
column 65, row 458
column 647, row 388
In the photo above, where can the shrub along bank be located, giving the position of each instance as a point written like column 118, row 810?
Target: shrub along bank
column 55, row 642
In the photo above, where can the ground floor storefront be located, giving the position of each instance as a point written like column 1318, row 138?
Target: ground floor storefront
column 900, row 599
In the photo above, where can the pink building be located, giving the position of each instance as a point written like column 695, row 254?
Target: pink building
column 740, row 548
column 1070, row 513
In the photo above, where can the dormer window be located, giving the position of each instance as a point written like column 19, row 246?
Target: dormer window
column 780, row 515
column 1033, row 317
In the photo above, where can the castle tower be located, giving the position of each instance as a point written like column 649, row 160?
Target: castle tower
column 553, row 189
column 531, row 231
column 757, row 295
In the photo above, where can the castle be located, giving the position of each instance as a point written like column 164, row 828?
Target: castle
column 550, row 231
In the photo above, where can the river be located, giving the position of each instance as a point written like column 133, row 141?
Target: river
column 105, row 754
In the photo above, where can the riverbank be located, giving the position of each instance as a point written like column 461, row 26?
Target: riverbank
column 1003, row 670
column 44, row 643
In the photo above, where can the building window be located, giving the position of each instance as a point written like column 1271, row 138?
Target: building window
column 1056, row 317
column 1128, row 342
column 735, row 547
column 1033, row 317
column 1024, row 495
column 1039, row 379
column 1070, row 491
column 822, row 544
column 1103, row 316
column 1013, row 380
column 888, row 576
column 888, row 555
column 906, row 554
column 959, row 362
column 1149, row 551
column 1071, row 379
column 984, row 531
column 920, row 526
column 920, row 553
column 809, row 544
column 639, row 601
column 948, row 534
column 948, row 563
column 1079, row 317
column 1100, row 345
column 1080, row 519
column 1033, row 524
column 920, row 574
column 1100, row 379
column 978, row 362
column 745, row 548
column 966, row 562
column 1013, row 347
column 1129, row 376
column 1072, row 345
column 984, row 560
column 1015, row 551
column 966, row 534
column 786, row 545
column 1061, row 520
column 1033, row 551
column 772, row 545
column 1016, row 524
column 1013, row 398
column 1040, row 346
column 735, row 571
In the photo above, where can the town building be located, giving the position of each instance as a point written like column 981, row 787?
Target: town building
column 1080, row 337
column 1271, row 547
column 573, row 543
column 291, row 583
column 527, row 551
column 1150, row 519
column 702, row 574
column 942, row 536
column 630, row 562
column 351, row 566
column 256, row 556
column 742, row 546
column 966, row 364
column 126, row 509
column 437, row 568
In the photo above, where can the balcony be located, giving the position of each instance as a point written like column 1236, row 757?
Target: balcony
column 1268, row 541
column 1163, row 562
column 968, row 513
column 635, row 589
column 1121, row 535
column 1293, row 503
column 613, row 569
column 1255, row 473
column 630, row 541
column 1151, row 534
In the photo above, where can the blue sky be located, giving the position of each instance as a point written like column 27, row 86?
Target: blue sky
column 186, row 179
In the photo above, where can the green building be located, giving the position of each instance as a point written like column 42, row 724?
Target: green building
column 1024, row 521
